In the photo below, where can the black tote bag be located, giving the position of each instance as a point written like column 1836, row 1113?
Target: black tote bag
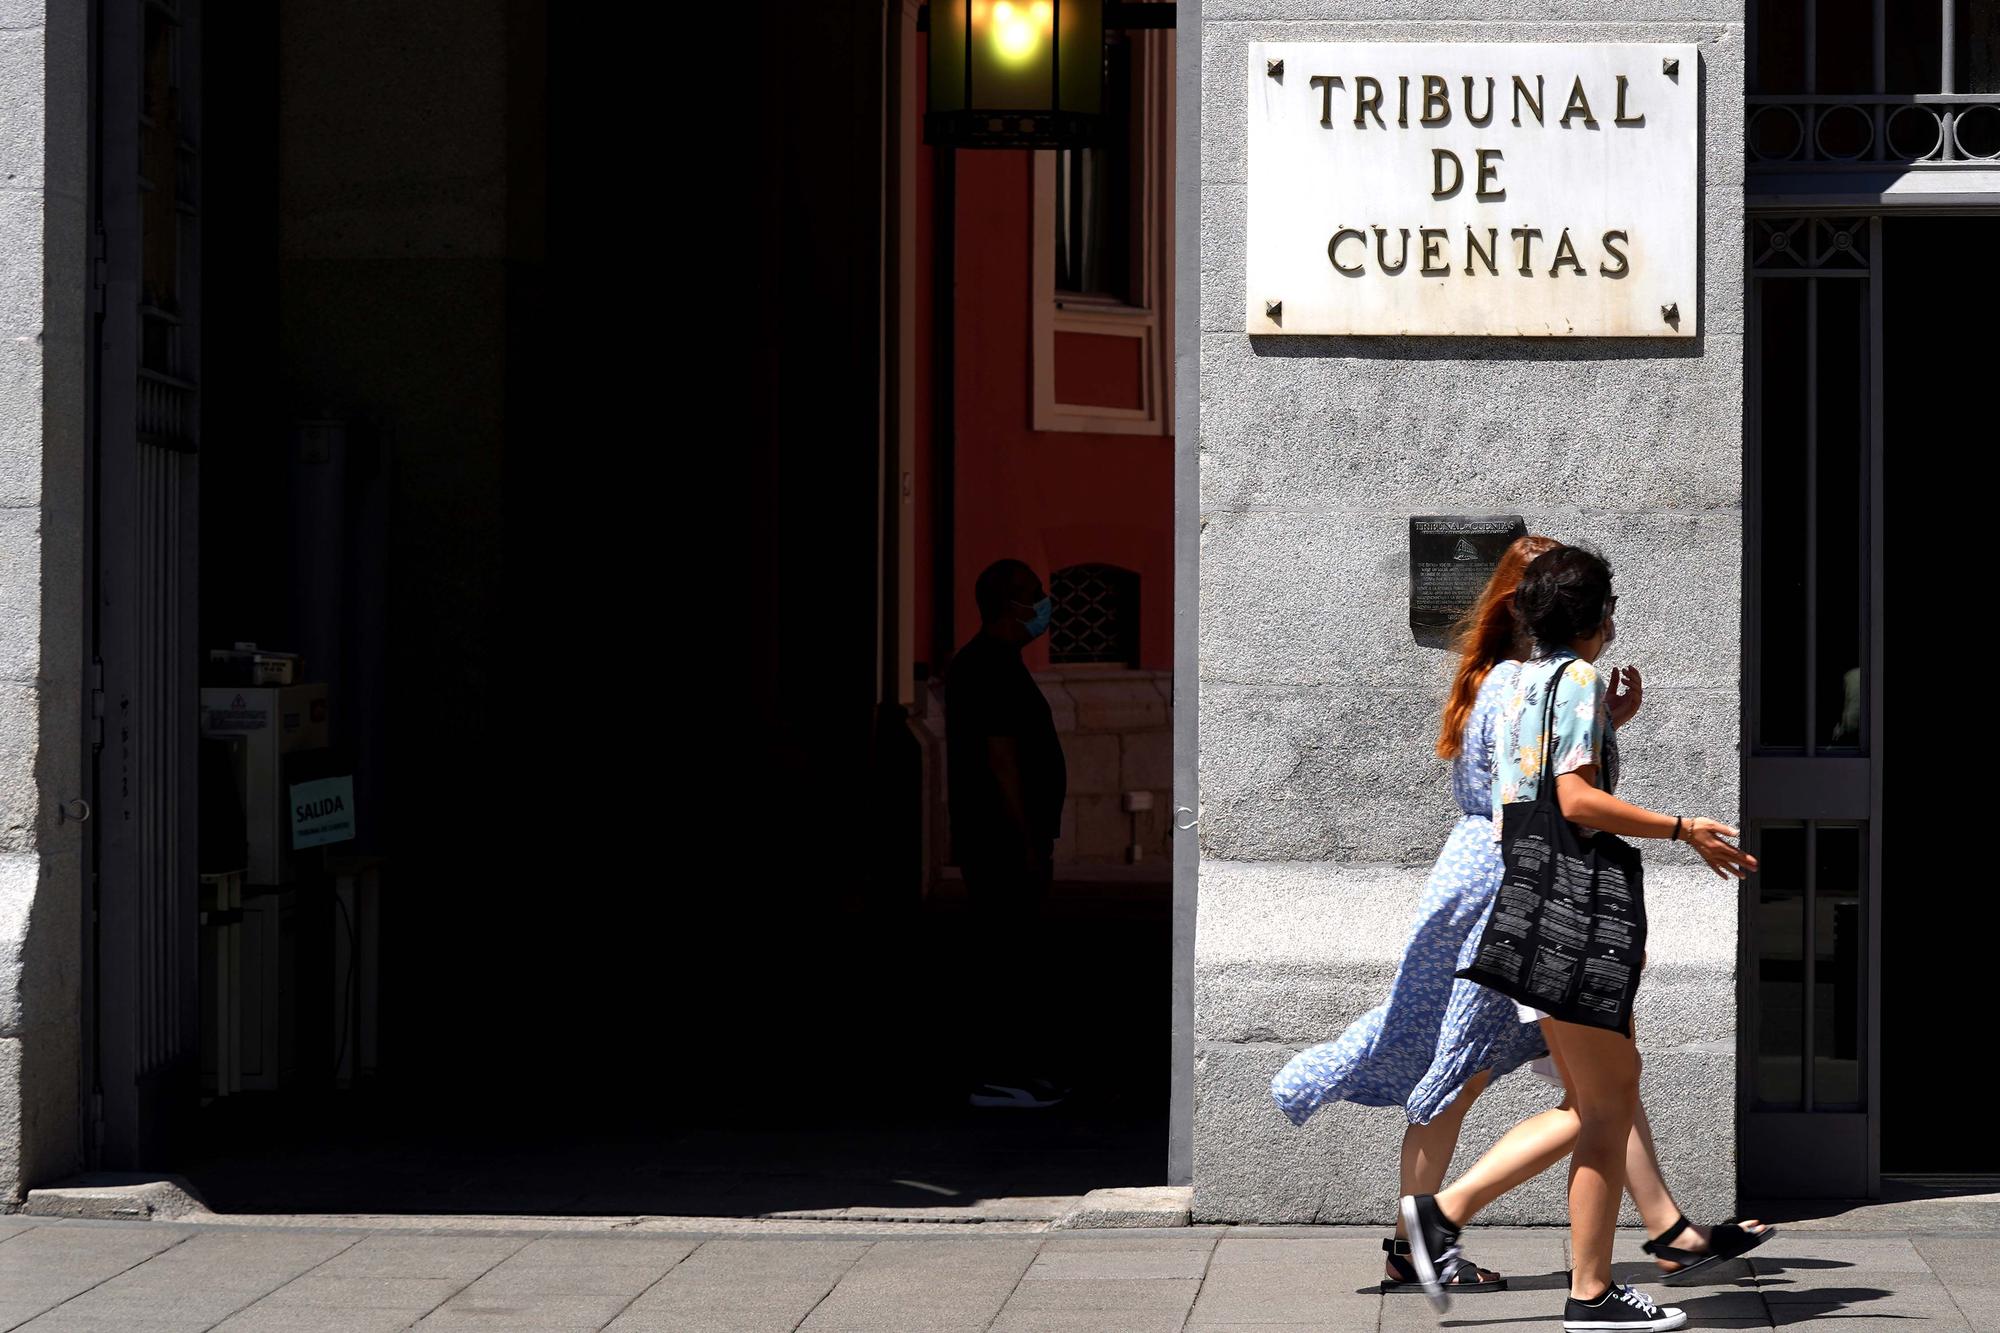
column 1567, row 934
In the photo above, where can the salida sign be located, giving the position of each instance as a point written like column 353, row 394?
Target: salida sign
column 1472, row 188
column 322, row 812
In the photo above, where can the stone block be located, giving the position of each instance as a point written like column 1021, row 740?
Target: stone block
column 1344, row 771
column 1062, row 706
column 1146, row 763
column 1290, row 952
column 1093, row 762
column 1336, row 429
column 1119, row 703
column 1341, row 1166
column 20, row 423
column 1321, row 772
column 1287, row 955
column 1103, row 829
column 1294, row 952
column 23, row 95
column 20, row 599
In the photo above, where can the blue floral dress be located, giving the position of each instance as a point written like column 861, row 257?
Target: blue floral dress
column 1434, row 1032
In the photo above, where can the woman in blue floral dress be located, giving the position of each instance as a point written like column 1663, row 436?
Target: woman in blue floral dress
column 1433, row 1045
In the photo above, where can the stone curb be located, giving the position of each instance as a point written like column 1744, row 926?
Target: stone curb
column 116, row 1197
column 1146, row 1206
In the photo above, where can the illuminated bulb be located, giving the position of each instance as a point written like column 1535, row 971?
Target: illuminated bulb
column 1014, row 32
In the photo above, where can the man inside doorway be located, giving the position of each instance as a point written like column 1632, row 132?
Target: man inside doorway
column 1007, row 780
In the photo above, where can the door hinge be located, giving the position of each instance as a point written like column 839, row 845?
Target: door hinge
column 96, row 703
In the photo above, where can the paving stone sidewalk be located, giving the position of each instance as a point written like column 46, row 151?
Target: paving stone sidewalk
column 122, row 1277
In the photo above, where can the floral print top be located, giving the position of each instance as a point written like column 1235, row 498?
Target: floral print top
column 1584, row 734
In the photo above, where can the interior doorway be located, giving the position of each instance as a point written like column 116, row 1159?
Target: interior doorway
column 603, row 625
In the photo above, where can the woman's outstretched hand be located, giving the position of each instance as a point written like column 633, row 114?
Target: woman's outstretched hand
column 1709, row 839
column 1624, row 692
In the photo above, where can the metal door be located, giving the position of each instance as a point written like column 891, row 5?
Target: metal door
column 144, row 1053
column 1813, row 764
column 1851, row 120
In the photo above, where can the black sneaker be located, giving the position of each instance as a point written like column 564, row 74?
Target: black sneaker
column 1621, row 1307
column 1433, row 1246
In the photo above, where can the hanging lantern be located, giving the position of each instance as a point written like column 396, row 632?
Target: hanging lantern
column 1015, row 73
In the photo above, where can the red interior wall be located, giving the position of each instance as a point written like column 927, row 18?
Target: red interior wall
column 1049, row 498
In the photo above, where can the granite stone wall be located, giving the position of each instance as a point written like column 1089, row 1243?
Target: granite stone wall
column 1321, row 804
column 43, row 238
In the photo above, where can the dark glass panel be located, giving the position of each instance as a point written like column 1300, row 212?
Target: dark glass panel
column 1837, row 977
column 1781, row 717
column 1781, row 982
column 1842, row 427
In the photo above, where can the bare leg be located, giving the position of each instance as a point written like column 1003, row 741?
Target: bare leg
column 1539, row 1142
column 1521, row 1154
column 1603, row 1072
column 1428, row 1149
column 1654, row 1201
column 1643, row 1181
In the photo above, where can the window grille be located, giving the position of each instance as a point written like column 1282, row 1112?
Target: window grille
column 1096, row 615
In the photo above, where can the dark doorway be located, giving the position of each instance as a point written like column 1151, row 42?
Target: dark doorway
column 1940, row 910
column 1868, row 375
column 583, row 539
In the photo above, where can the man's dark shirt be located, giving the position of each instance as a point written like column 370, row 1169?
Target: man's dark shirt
column 988, row 692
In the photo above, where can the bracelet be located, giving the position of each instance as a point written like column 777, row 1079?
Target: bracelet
column 1677, row 828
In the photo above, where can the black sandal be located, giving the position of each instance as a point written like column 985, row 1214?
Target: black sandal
column 1726, row 1240
column 1464, row 1275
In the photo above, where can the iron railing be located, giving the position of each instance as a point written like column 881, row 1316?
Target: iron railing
column 1818, row 132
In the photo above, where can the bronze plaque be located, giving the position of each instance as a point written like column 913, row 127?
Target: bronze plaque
column 1451, row 557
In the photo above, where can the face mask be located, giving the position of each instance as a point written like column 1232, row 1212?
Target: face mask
column 1038, row 624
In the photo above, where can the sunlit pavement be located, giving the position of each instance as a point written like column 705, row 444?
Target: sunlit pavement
column 124, row 1277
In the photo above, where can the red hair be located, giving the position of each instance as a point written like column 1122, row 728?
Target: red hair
column 1486, row 638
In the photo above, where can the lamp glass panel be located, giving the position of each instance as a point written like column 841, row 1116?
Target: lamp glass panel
column 947, row 55
column 1082, row 55
column 1013, row 50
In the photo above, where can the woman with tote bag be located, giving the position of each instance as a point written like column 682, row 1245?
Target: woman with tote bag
column 1432, row 1046
column 1578, row 942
